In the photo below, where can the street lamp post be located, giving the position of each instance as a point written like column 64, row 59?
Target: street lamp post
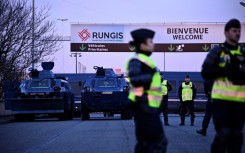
column 164, row 61
column 62, row 20
column 76, row 55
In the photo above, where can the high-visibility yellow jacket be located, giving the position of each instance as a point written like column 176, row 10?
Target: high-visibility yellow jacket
column 223, row 88
column 154, row 93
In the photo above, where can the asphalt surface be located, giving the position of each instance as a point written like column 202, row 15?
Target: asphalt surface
column 99, row 135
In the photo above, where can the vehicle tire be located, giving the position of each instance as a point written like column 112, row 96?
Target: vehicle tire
column 126, row 114
column 19, row 117
column 70, row 115
column 187, row 113
column 65, row 115
column 71, row 111
column 85, row 112
column 24, row 117
column 111, row 114
column 30, row 117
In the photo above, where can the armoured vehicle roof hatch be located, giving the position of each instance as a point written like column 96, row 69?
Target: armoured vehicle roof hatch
column 104, row 72
column 46, row 73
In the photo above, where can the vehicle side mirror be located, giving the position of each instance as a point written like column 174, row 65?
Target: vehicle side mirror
column 125, row 88
column 87, row 88
column 57, row 89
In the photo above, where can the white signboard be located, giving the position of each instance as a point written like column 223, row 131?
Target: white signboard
column 115, row 37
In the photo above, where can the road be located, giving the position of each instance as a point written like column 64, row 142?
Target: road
column 99, row 135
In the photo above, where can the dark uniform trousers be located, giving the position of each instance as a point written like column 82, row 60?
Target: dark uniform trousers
column 208, row 114
column 164, row 107
column 148, row 126
column 185, row 105
column 229, row 118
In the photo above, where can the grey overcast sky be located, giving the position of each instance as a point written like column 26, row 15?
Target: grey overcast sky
column 136, row 11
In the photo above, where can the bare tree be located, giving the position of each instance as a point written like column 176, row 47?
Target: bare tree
column 16, row 38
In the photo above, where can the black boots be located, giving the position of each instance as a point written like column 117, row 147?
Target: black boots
column 192, row 120
column 166, row 122
column 182, row 123
column 202, row 132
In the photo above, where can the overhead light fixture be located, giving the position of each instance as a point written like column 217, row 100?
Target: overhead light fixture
column 243, row 4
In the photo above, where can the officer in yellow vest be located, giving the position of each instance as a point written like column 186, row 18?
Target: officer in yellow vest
column 166, row 87
column 187, row 94
column 225, row 65
column 145, row 94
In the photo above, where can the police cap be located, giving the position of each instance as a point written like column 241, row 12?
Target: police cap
column 233, row 23
column 141, row 35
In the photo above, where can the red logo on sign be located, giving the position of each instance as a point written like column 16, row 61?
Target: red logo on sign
column 84, row 34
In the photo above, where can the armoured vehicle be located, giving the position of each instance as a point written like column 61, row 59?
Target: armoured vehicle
column 43, row 93
column 106, row 92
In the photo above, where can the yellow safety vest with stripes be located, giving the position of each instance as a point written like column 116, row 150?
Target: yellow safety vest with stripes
column 164, row 87
column 187, row 92
column 223, row 88
column 154, row 94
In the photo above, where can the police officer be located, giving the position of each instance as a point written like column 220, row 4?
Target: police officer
column 145, row 94
column 166, row 87
column 187, row 94
column 226, row 66
column 208, row 84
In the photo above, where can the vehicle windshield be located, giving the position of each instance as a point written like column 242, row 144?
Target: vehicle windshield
column 106, row 83
column 44, row 83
